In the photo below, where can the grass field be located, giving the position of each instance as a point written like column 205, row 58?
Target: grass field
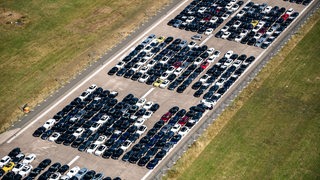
column 272, row 130
column 41, row 39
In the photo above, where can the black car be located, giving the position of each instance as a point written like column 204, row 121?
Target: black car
column 121, row 72
column 107, row 153
column 14, row 152
column 126, row 156
column 89, row 175
column 154, row 107
column 143, row 161
column 181, row 88
column 45, row 163
column 117, row 153
column 54, row 167
column 112, row 71
column 39, row 131
column 129, row 73
column 63, row 169
column 152, row 164
column 198, row 93
column 35, row 172
column 69, row 140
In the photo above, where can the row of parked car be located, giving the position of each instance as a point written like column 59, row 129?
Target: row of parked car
column 163, row 136
column 303, row 2
column 98, row 123
column 257, row 24
column 177, row 64
column 219, row 78
column 204, row 16
column 16, row 166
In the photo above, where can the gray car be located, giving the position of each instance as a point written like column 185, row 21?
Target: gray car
column 81, row 173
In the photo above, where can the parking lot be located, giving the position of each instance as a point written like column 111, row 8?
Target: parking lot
column 123, row 85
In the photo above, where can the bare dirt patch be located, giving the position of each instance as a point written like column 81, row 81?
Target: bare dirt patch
column 9, row 17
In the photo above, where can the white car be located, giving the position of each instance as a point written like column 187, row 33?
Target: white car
column 64, row 177
column 210, row 51
column 103, row 119
column 228, row 54
column 225, row 35
column 101, row 139
column 216, row 53
column 5, row 160
column 84, row 95
column 73, row 171
column 125, row 145
column 192, row 44
column 92, row 88
column 54, row 136
column 220, row 82
column 95, row 127
column 148, row 105
column 225, row 16
column 120, row 64
column 176, row 128
column 147, row 114
column 184, row 130
column 18, row 167
column 208, row 103
column 224, row 28
column 100, row 150
column 198, row 61
column 141, row 129
column 151, row 63
column 241, row 13
column 267, row 9
column 139, row 122
column 141, row 102
column 289, row 11
column 148, row 56
column 228, row 62
column 229, row 5
column 211, row 59
column 49, row 124
column 204, row 78
column 235, row 7
column 25, row 170
column 190, row 19
column 144, row 69
column 164, row 76
column 164, row 84
column 202, row 10
column 164, row 60
column 114, row 93
column 178, row 71
column 208, row 31
column 237, row 63
column 78, row 132
column 143, row 78
column 237, row 24
column 28, row 159
column 214, row 19
column 92, row 148
column 238, row 38
column 170, row 70
column 136, row 67
column 55, row 176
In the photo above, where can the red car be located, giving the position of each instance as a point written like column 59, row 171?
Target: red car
column 166, row 117
column 285, row 16
column 177, row 64
column 184, row 120
column 204, row 65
